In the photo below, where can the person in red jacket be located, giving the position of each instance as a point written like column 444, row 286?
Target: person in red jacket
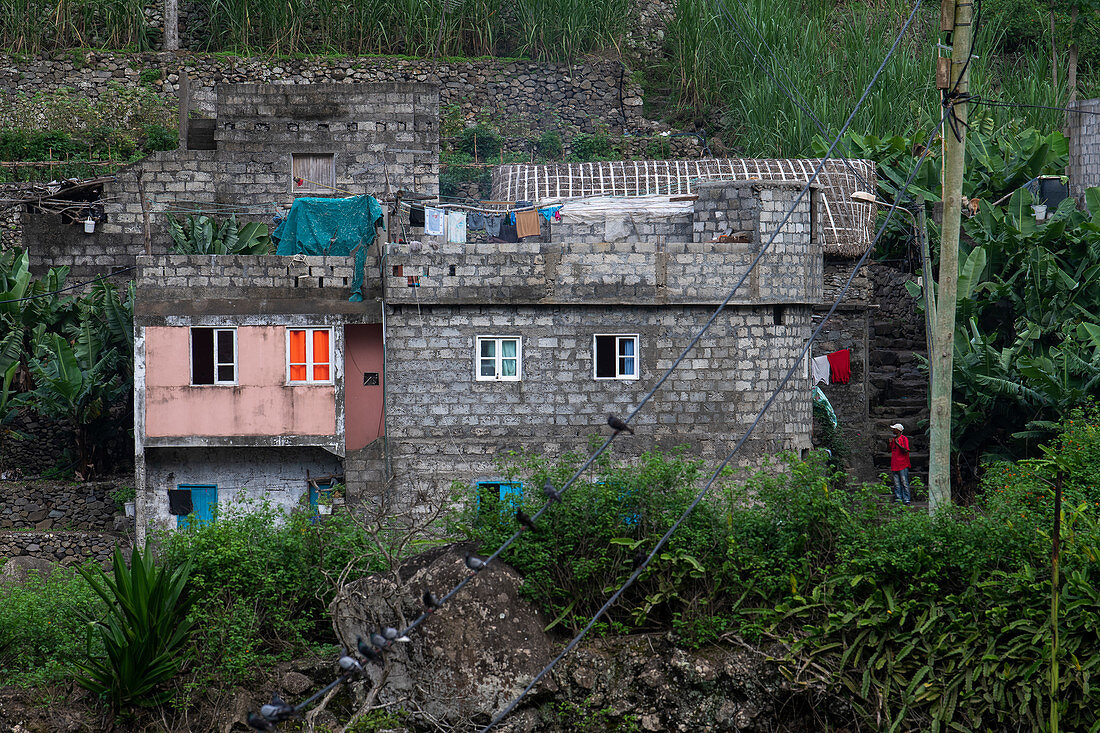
column 899, row 463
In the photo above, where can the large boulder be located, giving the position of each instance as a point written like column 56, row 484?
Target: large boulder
column 19, row 569
column 470, row 658
column 646, row 682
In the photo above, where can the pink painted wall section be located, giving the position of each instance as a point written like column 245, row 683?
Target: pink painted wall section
column 362, row 404
column 260, row 404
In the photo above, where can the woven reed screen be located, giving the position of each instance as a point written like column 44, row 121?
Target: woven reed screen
column 848, row 225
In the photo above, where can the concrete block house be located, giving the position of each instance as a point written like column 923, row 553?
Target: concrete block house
column 257, row 378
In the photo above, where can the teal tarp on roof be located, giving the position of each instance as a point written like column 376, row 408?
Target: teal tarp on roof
column 336, row 227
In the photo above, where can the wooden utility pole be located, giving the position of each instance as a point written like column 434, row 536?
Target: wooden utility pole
column 955, row 19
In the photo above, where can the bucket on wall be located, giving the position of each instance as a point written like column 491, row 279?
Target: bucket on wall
column 89, row 226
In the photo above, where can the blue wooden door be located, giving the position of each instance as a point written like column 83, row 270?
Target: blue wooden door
column 316, row 490
column 204, row 501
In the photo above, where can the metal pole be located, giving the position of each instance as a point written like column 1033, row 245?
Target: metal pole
column 954, row 134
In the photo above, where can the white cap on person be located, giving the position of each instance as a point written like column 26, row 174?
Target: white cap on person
column 897, row 426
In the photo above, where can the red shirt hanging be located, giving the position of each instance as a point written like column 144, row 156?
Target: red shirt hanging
column 840, row 367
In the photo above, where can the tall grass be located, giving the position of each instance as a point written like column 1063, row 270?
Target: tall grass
column 541, row 29
column 32, row 26
column 827, row 54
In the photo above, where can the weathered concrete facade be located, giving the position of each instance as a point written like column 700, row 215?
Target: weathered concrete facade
column 262, row 434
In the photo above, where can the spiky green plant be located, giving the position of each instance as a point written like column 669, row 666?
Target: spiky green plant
column 143, row 633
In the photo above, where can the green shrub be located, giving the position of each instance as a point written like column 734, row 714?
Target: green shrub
column 262, row 581
column 480, row 142
column 549, row 145
column 43, row 624
column 592, row 147
column 159, row 137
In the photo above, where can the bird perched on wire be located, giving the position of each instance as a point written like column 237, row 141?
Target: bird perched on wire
column 378, row 640
column 350, row 665
column 431, row 603
column 277, row 710
column 475, row 563
column 639, row 559
column 526, row 521
column 258, row 722
column 618, row 425
column 369, row 653
column 551, row 493
column 393, row 635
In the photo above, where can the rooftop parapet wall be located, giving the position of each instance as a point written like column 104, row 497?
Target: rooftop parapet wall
column 744, row 214
column 195, row 285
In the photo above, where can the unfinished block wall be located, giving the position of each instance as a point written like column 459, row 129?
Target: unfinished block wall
column 1084, row 147
column 444, row 425
column 383, row 137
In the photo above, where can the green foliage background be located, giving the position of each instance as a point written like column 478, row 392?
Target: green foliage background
column 922, row 622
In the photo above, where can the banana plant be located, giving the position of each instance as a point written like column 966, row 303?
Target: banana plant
column 202, row 235
column 78, row 384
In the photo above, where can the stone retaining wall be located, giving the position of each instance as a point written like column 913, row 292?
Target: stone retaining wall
column 54, row 504
column 62, row 545
column 51, row 444
column 565, row 97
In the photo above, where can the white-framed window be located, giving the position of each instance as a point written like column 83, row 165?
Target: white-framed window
column 498, row 358
column 615, row 356
column 213, row 355
column 312, row 172
column 309, row 355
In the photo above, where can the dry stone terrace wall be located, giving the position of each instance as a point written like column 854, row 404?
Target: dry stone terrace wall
column 576, row 97
column 61, row 546
column 48, row 505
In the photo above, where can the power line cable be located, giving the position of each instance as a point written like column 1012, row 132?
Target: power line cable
column 69, row 287
column 718, row 471
column 1019, row 105
column 624, row 423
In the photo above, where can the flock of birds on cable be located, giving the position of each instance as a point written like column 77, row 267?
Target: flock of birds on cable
column 372, row 650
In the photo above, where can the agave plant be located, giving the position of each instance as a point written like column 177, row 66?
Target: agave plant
column 143, row 633
column 202, row 235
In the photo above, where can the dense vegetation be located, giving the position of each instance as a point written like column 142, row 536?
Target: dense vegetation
column 257, row 591
column 921, row 621
column 67, row 356
column 66, row 132
column 1027, row 339
column 915, row 619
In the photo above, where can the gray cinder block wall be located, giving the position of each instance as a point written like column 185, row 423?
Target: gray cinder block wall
column 444, row 425
column 1084, row 147
column 383, row 137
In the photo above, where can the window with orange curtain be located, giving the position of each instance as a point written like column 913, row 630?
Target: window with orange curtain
column 320, row 356
column 309, row 355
